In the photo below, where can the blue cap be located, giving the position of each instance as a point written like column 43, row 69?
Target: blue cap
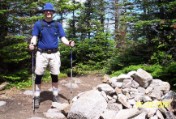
column 48, row 6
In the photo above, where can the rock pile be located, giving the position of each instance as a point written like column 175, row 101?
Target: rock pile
column 135, row 95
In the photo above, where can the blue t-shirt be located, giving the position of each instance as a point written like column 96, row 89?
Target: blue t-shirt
column 48, row 34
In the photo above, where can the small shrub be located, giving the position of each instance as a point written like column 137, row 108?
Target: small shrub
column 155, row 70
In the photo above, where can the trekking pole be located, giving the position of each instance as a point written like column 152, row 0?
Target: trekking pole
column 33, row 82
column 71, row 68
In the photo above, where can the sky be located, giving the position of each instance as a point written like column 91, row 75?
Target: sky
column 81, row 1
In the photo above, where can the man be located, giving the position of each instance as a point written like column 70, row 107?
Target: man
column 45, row 35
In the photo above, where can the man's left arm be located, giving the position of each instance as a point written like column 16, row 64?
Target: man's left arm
column 67, row 42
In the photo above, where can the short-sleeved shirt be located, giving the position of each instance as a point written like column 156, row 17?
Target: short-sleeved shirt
column 48, row 34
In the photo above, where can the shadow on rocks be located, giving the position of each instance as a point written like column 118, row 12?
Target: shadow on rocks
column 48, row 95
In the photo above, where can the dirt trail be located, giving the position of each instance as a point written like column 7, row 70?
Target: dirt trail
column 19, row 105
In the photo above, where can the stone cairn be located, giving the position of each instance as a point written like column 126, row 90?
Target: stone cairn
column 135, row 95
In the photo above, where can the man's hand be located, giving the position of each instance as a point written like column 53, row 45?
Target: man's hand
column 31, row 47
column 71, row 43
column 67, row 42
column 33, row 43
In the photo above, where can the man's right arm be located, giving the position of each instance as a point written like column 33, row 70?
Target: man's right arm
column 35, row 33
column 33, row 42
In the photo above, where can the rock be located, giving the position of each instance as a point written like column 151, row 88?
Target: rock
column 114, row 106
column 154, row 117
column 150, row 110
column 127, row 113
column 89, row 106
column 118, row 90
column 28, row 92
column 159, row 114
column 106, row 88
column 104, row 95
column 156, row 93
column 59, row 106
column 127, row 83
column 142, row 77
column 106, row 78
column 109, row 114
column 134, row 84
column 71, row 85
column 149, row 89
column 2, row 103
column 3, row 85
column 170, row 95
column 36, row 118
column 76, row 80
column 135, row 95
column 141, row 90
column 122, row 98
column 146, row 98
column 161, row 85
column 54, row 113
column 115, row 83
column 122, row 77
column 131, row 73
column 141, row 116
column 170, row 115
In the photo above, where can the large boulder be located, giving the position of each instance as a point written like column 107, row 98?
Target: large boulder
column 142, row 77
column 89, row 105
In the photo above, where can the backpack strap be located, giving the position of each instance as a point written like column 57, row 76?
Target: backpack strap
column 56, row 27
column 41, row 28
column 56, row 24
column 42, row 25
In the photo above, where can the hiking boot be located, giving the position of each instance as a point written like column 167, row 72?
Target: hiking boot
column 55, row 98
column 36, row 102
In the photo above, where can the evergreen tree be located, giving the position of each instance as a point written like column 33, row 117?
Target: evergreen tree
column 149, row 36
column 156, row 30
column 93, row 40
column 13, row 44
